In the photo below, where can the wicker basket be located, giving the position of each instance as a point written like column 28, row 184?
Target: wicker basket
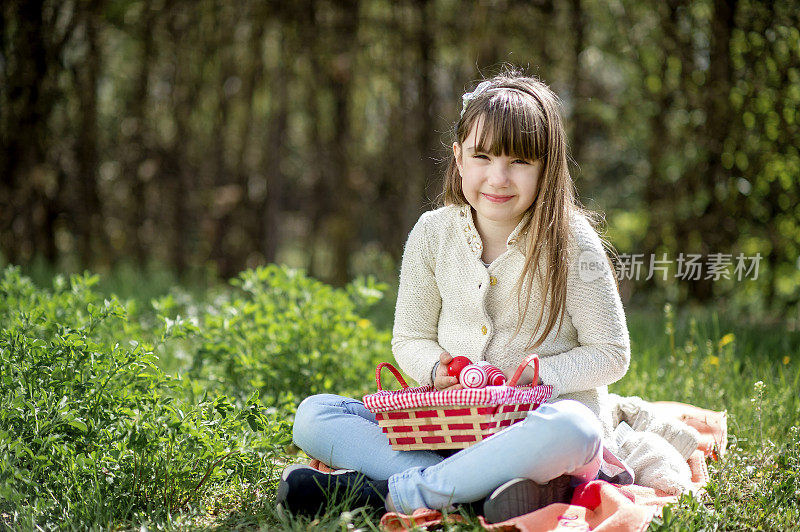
column 424, row 418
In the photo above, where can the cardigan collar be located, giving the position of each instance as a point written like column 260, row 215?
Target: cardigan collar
column 473, row 238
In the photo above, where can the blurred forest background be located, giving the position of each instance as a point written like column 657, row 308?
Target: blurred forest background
column 217, row 135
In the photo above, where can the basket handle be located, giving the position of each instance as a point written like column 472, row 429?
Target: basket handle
column 394, row 372
column 533, row 357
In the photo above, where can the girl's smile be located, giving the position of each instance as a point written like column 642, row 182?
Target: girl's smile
column 496, row 199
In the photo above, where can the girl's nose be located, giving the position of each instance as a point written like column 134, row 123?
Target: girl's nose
column 498, row 175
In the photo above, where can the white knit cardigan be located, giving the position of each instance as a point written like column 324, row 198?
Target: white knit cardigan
column 448, row 300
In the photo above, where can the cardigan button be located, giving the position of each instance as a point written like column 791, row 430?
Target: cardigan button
column 484, row 330
column 492, row 280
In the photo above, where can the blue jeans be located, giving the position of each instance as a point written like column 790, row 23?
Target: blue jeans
column 555, row 439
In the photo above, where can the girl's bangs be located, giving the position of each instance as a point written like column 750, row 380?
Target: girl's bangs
column 512, row 125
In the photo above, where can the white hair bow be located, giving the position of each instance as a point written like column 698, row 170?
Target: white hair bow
column 482, row 86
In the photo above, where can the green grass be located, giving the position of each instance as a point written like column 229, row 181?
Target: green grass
column 750, row 371
column 698, row 357
column 713, row 361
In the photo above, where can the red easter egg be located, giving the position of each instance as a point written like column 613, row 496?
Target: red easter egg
column 496, row 377
column 456, row 365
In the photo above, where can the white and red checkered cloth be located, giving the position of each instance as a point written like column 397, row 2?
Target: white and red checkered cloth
column 422, row 396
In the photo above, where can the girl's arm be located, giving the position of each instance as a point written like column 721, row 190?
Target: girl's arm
column 595, row 307
column 416, row 319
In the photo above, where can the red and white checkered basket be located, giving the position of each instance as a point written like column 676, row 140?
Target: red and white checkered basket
column 424, row 418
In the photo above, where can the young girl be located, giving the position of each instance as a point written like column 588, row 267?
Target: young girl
column 489, row 275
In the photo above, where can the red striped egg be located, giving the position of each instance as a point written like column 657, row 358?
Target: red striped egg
column 473, row 376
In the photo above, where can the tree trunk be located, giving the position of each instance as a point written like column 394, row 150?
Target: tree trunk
column 718, row 227
column 178, row 172
column 28, row 96
column 431, row 182
column 269, row 207
column 89, row 208
column 319, row 201
column 658, row 194
column 578, row 87
column 341, row 224
column 137, row 150
column 225, row 183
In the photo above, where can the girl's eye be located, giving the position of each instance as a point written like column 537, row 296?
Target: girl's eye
column 480, row 156
column 521, row 161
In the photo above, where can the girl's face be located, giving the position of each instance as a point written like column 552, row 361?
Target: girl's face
column 499, row 188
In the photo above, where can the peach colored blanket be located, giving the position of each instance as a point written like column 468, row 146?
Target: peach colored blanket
column 598, row 505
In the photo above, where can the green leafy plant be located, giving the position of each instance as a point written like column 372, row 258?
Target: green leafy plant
column 285, row 335
column 93, row 431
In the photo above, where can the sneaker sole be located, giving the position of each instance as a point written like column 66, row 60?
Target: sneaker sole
column 295, row 467
column 283, row 486
column 520, row 496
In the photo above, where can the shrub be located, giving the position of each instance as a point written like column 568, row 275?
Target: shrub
column 285, row 335
column 91, row 430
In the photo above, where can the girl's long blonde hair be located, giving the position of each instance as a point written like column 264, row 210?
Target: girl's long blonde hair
column 521, row 117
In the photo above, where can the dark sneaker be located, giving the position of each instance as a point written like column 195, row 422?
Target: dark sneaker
column 522, row 495
column 307, row 491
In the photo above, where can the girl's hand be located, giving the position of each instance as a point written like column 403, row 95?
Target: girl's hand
column 443, row 381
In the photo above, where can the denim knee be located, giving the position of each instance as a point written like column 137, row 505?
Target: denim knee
column 306, row 420
column 580, row 427
column 577, row 429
